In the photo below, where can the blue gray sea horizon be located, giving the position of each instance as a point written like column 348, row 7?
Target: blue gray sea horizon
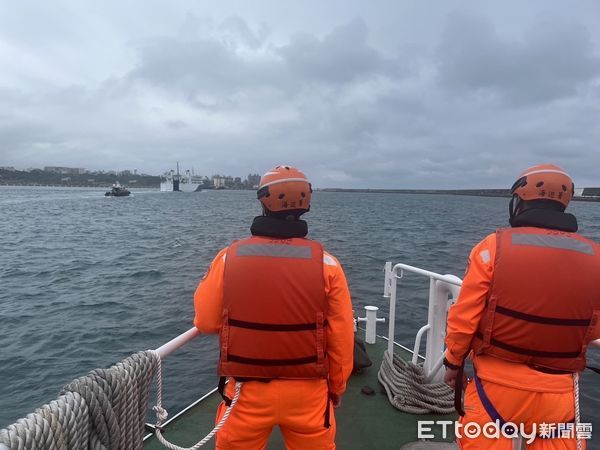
column 87, row 280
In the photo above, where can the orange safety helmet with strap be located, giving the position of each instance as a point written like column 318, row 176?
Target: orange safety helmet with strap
column 542, row 182
column 274, row 310
column 284, row 189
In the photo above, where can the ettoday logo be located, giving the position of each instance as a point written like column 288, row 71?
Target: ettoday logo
column 508, row 430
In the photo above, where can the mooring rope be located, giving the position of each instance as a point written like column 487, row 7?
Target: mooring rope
column 162, row 414
column 104, row 410
column 404, row 383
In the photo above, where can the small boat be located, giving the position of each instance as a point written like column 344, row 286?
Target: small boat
column 117, row 191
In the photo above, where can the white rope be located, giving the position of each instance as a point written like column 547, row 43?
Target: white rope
column 162, row 414
column 577, row 412
column 404, row 383
column 102, row 410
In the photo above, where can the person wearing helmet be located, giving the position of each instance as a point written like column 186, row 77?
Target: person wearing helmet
column 282, row 308
column 528, row 307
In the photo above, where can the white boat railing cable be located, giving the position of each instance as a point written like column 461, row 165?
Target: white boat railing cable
column 443, row 291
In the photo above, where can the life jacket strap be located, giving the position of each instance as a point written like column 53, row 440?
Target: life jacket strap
column 273, row 362
column 273, row 326
column 458, row 390
column 496, row 417
column 327, row 423
column 221, row 389
column 488, row 405
column 528, row 351
column 541, row 319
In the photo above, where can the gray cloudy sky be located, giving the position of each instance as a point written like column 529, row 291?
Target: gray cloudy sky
column 394, row 94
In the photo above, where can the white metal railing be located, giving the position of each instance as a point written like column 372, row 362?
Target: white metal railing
column 178, row 342
column 443, row 291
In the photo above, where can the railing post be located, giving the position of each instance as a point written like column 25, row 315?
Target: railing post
column 392, row 318
column 388, row 279
column 439, row 292
column 435, row 338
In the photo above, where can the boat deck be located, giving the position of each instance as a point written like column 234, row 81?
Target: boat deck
column 363, row 421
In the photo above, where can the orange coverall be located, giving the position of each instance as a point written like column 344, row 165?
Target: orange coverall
column 519, row 393
column 297, row 406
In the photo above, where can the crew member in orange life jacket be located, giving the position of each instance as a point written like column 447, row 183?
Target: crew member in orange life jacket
column 282, row 309
column 528, row 308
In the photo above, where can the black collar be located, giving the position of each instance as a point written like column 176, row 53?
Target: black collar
column 278, row 228
column 545, row 218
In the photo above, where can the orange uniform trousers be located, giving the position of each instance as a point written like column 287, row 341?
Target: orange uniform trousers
column 297, row 406
column 518, row 406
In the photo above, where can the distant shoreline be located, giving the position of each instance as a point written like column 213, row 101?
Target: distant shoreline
column 468, row 192
column 503, row 193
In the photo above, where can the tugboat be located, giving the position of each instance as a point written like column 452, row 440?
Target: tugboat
column 117, row 191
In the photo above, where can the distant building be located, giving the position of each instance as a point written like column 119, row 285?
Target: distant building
column 66, row 179
column 219, row 181
column 64, row 170
column 8, row 168
column 253, row 180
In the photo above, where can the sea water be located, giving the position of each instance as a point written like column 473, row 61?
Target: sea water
column 87, row 280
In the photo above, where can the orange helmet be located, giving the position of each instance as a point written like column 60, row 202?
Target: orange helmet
column 284, row 188
column 544, row 182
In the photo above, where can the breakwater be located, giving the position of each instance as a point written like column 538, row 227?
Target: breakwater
column 589, row 194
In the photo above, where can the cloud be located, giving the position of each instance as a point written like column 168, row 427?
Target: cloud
column 468, row 105
column 554, row 59
column 342, row 56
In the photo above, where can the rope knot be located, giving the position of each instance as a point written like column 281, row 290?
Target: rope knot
column 161, row 413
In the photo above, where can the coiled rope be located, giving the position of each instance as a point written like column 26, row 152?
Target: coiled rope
column 104, row 410
column 162, row 414
column 404, row 383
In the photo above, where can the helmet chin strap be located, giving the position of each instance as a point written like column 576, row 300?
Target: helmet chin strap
column 513, row 206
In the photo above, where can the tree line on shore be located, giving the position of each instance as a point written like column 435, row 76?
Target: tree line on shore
column 39, row 177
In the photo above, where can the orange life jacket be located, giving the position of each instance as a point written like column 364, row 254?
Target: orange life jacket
column 544, row 303
column 274, row 310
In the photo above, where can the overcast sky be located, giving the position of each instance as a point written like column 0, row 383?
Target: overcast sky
column 390, row 94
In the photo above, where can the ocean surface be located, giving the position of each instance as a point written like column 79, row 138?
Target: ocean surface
column 87, row 280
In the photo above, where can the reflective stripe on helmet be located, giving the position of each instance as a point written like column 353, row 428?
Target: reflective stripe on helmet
column 283, row 180
column 546, row 171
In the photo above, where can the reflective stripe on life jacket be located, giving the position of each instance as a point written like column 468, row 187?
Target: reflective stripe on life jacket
column 544, row 302
column 274, row 310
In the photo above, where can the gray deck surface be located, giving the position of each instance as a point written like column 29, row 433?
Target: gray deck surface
column 364, row 422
